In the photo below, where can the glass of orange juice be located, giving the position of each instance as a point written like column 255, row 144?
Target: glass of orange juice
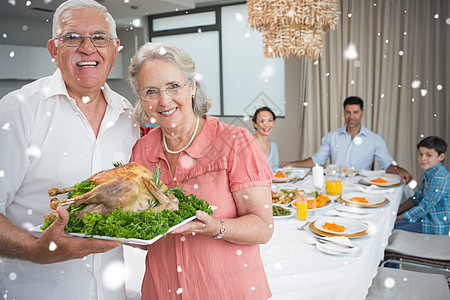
column 302, row 208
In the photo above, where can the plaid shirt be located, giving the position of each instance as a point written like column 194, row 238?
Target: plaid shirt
column 432, row 201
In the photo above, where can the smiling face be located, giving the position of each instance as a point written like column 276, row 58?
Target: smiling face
column 428, row 158
column 169, row 112
column 353, row 115
column 264, row 123
column 84, row 68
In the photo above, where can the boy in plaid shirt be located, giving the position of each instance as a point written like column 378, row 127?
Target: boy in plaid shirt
column 428, row 210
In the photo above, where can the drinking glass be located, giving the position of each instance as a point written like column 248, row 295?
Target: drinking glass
column 287, row 171
column 302, row 208
column 311, row 202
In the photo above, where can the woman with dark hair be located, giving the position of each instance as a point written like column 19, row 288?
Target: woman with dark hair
column 263, row 122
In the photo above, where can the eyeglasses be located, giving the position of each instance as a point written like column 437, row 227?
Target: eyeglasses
column 76, row 39
column 171, row 91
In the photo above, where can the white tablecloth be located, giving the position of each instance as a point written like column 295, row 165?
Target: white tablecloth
column 297, row 270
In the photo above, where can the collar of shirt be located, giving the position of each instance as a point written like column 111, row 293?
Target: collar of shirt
column 362, row 131
column 199, row 148
column 432, row 172
column 56, row 86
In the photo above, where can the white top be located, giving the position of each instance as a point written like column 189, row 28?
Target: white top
column 45, row 141
column 273, row 158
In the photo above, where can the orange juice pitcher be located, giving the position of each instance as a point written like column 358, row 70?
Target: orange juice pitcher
column 333, row 181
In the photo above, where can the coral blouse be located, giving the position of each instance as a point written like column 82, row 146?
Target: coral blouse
column 222, row 159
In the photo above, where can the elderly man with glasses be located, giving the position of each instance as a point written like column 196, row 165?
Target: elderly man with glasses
column 57, row 131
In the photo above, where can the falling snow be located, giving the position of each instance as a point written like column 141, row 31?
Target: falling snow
column 412, row 184
column 350, row 53
column 415, row 84
column 114, row 275
column 12, row 276
column 34, row 151
column 357, row 140
column 389, row 282
column 52, row 246
column 162, row 51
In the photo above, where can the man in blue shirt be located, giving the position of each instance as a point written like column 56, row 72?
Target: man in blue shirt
column 353, row 145
column 431, row 202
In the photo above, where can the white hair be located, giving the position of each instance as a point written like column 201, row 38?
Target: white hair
column 176, row 56
column 80, row 5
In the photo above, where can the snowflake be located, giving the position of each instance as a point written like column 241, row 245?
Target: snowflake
column 113, row 275
column 389, row 282
column 52, row 246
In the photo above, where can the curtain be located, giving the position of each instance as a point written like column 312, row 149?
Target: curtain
column 401, row 71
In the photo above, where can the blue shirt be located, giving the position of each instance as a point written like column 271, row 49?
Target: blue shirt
column 432, row 201
column 273, row 159
column 359, row 152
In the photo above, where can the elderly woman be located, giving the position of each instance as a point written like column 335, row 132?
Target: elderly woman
column 213, row 257
column 263, row 121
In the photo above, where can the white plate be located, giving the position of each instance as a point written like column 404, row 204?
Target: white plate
column 287, row 216
column 124, row 240
column 334, row 249
column 391, row 180
column 352, row 226
column 372, row 198
column 297, row 174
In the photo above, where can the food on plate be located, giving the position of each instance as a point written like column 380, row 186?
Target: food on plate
column 132, row 187
column 359, row 199
column 279, row 211
column 379, row 180
column 127, row 201
column 285, row 196
column 279, row 174
column 333, row 227
column 321, row 200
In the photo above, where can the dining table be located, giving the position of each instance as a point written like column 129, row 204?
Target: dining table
column 297, row 269
column 294, row 265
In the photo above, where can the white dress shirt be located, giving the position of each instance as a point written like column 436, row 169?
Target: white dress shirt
column 46, row 141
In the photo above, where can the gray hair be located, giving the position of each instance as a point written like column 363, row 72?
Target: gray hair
column 80, row 5
column 173, row 54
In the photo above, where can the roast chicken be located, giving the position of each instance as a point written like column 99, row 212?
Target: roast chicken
column 131, row 186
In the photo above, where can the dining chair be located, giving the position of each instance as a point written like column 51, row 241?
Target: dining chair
column 399, row 284
column 417, row 251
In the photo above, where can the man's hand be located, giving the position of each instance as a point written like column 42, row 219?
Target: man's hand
column 56, row 245
column 404, row 175
column 306, row 163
